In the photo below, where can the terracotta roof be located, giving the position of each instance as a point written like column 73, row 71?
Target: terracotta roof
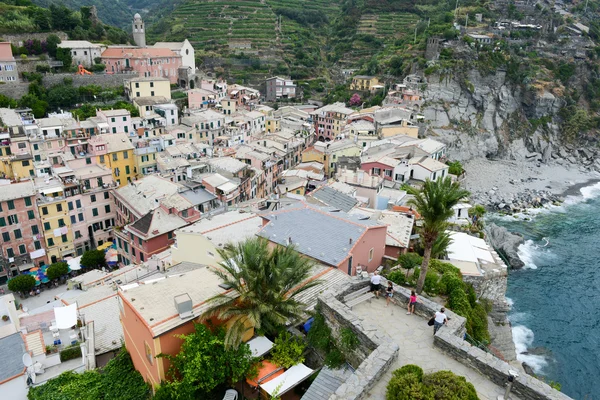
column 6, row 52
column 120, row 52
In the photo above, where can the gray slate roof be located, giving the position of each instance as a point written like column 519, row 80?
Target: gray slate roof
column 326, row 383
column 11, row 356
column 335, row 199
column 198, row 196
column 316, row 232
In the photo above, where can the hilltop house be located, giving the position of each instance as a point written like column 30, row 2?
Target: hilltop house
column 364, row 82
column 8, row 65
column 280, row 88
column 82, row 51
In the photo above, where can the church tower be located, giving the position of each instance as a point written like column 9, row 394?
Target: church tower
column 139, row 31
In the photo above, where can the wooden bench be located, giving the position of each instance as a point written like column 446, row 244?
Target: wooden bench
column 358, row 297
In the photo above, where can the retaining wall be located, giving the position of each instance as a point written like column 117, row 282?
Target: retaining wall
column 105, row 80
column 14, row 90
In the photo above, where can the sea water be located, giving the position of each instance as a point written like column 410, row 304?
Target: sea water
column 555, row 298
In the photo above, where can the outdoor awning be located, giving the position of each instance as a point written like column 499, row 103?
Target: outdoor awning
column 288, row 380
column 66, row 317
column 227, row 187
column 259, row 346
column 37, row 254
column 51, row 190
column 74, row 263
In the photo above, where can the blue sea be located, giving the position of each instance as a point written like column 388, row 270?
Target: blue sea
column 556, row 298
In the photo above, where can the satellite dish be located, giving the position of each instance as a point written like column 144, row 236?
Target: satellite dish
column 27, row 361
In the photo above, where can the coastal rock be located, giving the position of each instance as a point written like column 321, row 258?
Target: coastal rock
column 506, row 243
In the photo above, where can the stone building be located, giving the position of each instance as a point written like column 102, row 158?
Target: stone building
column 139, row 30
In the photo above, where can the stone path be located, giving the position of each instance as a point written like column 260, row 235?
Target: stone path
column 415, row 339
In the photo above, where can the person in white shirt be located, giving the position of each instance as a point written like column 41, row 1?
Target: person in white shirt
column 375, row 283
column 439, row 320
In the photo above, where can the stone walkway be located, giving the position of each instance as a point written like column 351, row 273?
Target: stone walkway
column 415, row 339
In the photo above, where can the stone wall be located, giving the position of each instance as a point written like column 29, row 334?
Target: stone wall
column 375, row 352
column 524, row 386
column 28, row 64
column 18, row 39
column 105, row 80
column 14, row 90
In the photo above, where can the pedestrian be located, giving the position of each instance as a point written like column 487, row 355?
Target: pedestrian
column 412, row 302
column 375, row 283
column 37, row 291
column 389, row 293
column 2, row 290
column 439, row 320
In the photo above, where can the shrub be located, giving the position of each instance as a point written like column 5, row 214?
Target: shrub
column 409, row 383
column 319, row 335
column 288, row 350
column 409, row 369
column 431, row 282
column 397, row 277
column 348, row 340
column 98, row 67
column 448, row 386
column 334, row 358
column 70, row 353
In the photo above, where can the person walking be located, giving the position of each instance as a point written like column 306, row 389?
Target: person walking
column 412, row 302
column 375, row 283
column 439, row 320
column 389, row 293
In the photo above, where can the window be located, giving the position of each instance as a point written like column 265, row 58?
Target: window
column 126, row 128
column 59, row 207
column 151, row 84
column 73, row 219
column 80, row 217
column 78, row 203
column 376, row 171
column 37, row 245
column 127, row 171
column 64, row 238
column 125, row 155
column 28, row 201
column 137, row 94
column 371, row 254
column 388, row 172
column 142, row 257
column 88, row 160
column 47, row 226
column 101, row 159
column 2, row 221
column 170, row 235
column 6, row 237
column 61, row 222
column 114, row 130
column 137, row 84
column 50, row 242
column 34, row 230
column 95, row 212
column 112, row 120
column 22, row 249
column 140, row 241
column 70, row 206
column 148, row 352
column 77, row 235
column 10, row 253
column 107, row 208
column 115, row 156
column 124, row 119
column 44, row 210
column 18, row 234
column 12, row 219
column 30, row 214
column 11, row 204
column 106, row 195
column 93, row 198
column 152, row 93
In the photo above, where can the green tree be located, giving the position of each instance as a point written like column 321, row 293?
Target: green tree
column 409, row 261
column 57, row 270
column 38, row 107
column 62, row 96
column 52, row 42
column 64, row 55
column 455, row 168
column 204, row 363
column 7, row 102
column 93, row 259
column 288, row 350
column 434, row 202
column 21, row 283
column 267, row 281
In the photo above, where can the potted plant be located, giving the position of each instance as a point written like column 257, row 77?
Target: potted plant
column 51, row 349
column 5, row 318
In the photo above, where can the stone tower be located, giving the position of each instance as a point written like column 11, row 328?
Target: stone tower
column 139, row 31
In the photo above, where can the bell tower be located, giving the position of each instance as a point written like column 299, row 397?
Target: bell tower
column 139, row 31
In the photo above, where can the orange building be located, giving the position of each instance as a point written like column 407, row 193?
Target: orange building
column 155, row 313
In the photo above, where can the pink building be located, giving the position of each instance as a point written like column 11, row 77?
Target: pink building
column 202, row 98
column 332, row 238
column 147, row 61
column 380, row 166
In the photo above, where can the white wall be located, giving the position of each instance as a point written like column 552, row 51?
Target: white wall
column 15, row 389
column 189, row 59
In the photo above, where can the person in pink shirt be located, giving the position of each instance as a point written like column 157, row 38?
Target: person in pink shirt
column 412, row 302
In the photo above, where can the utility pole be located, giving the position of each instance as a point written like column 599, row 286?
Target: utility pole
column 456, row 10
column 466, row 21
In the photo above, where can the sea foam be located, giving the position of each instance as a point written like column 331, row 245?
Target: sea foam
column 526, row 253
column 523, row 339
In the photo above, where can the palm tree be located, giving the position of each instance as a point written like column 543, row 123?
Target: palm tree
column 267, row 282
column 434, row 202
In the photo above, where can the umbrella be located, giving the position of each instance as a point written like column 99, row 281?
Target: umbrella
column 74, row 263
column 111, row 256
column 45, row 280
column 34, row 269
column 104, row 246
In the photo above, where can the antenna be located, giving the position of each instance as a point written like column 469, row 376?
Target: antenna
column 28, row 362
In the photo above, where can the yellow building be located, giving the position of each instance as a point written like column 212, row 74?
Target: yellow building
column 148, row 87
column 329, row 154
column 228, row 106
column 115, row 151
column 363, row 82
column 22, row 166
column 272, row 124
column 404, row 128
column 145, row 161
column 5, row 161
column 56, row 225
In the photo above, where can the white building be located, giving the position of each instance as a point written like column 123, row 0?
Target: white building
column 278, row 88
column 184, row 49
column 82, row 51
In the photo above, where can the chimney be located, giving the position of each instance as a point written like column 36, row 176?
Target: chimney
column 350, row 241
column 183, row 304
column 289, row 240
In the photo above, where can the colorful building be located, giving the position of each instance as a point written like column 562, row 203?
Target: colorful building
column 364, row 82
column 330, row 120
column 114, row 151
column 54, row 218
column 147, row 87
column 146, row 61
